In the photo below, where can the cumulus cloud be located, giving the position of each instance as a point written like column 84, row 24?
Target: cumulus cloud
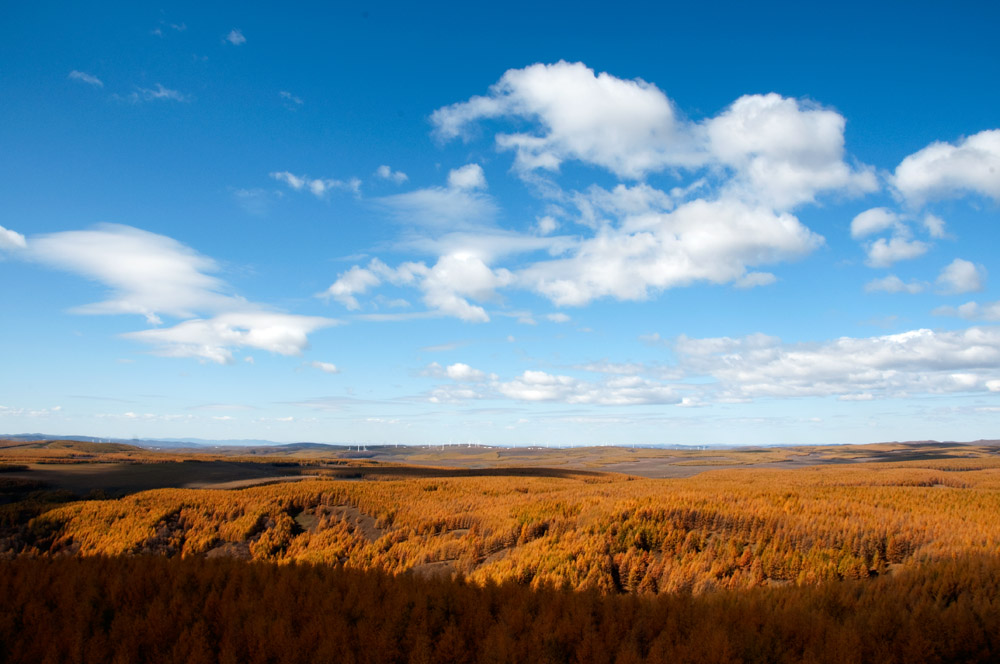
column 784, row 152
column 447, row 285
column 944, row 170
column 628, row 127
column 746, row 168
column 470, row 176
column 386, row 173
column 235, row 37
column 884, row 252
column 353, row 282
column 318, row 187
column 84, row 77
column 11, row 240
column 961, row 276
column 325, row 367
column 713, row 242
column 872, row 221
column 631, row 259
column 935, row 226
column 893, row 284
column 464, row 373
column 780, row 151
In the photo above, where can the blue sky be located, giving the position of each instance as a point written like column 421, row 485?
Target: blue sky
column 579, row 224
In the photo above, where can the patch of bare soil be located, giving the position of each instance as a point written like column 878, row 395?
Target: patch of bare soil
column 238, row 550
column 362, row 522
column 242, row 484
column 441, row 568
column 495, row 556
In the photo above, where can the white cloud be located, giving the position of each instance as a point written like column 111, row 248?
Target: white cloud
column 148, row 274
column 628, row 127
column 618, row 391
column 962, row 276
column 11, row 240
column 919, row 361
column 872, row 221
column 784, row 152
column 457, row 277
column 154, row 275
column 84, row 77
column 893, row 284
column 935, row 226
column 972, row 311
column 755, row 279
column 540, row 386
column 464, row 373
column 558, row 317
column 467, row 177
column 235, row 37
column 597, row 204
column 943, row 170
column 441, row 208
column 292, row 100
column 325, row 367
column 780, row 151
column 883, row 252
column 762, row 155
column 447, row 285
column 387, row 173
column 155, row 94
column 319, row 187
column 355, row 281
column 547, row 225
column 255, row 201
column 700, row 241
column 213, row 339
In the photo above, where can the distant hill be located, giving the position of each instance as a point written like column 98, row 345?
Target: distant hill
column 89, row 447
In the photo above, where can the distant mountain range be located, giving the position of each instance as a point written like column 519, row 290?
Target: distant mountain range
column 170, row 442
column 250, row 443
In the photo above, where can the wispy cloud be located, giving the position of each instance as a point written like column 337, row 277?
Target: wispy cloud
column 84, row 77
column 386, row 173
column 318, row 187
column 11, row 240
column 158, row 93
column 291, row 101
column 235, row 37
column 153, row 276
column 325, row 367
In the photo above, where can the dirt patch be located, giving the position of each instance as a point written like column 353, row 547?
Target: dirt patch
column 242, row 484
column 363, row 523
column 238, row 550
column 441, row 568
column 496, row 556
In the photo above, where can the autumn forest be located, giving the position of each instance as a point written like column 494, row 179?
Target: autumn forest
column 870, row 553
